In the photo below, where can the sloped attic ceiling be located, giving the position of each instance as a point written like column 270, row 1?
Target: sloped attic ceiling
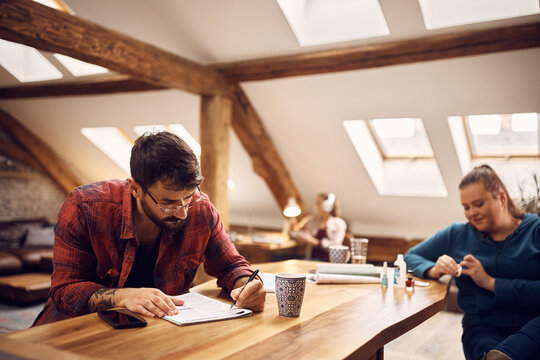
column 303, row 115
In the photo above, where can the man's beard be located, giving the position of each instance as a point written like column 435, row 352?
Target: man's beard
column 171, row 223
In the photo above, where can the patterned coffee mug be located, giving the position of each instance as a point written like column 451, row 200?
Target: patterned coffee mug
column 290, row 290
column 339, row 254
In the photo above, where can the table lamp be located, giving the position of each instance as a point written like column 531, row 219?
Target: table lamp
column 290, row 211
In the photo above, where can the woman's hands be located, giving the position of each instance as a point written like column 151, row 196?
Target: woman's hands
column 444, row 265
column 469, row 266
column 473, row 267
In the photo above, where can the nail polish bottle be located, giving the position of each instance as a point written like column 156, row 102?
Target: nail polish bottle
column 384, row 279
column 409, row 283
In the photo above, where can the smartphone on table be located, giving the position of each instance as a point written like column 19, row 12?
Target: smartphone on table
column 122, row 318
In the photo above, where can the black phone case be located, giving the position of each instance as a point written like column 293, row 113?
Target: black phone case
column 134, row 319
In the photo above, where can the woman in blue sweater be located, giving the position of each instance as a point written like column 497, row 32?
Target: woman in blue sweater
column 495, row 258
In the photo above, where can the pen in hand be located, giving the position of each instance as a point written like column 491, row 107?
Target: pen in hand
column 249, row 280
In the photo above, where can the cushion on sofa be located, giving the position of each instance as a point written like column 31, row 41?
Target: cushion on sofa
column 9, row 264
column 11, row 237
column 39, row 237
column 12, row 233
column 31, row 257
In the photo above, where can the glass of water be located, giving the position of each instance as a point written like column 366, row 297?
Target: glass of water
column 359, row 250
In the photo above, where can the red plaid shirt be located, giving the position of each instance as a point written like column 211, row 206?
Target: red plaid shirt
column 95, row 247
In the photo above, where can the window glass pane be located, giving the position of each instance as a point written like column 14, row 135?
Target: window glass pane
column 50, row 3
column 445, row 13
column 78, row 67
column 142, row 129
column 401, row 137
column 185, row 135
column 113, row 142
column 504, row 135
column 26, row 63
column 394, row 177
column 315, row 22
column 178, row 129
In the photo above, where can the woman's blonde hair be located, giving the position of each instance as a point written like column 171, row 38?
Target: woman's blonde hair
column 492, row 183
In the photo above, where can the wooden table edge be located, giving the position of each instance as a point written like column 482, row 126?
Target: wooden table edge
column 25, row 350
column 376, row 345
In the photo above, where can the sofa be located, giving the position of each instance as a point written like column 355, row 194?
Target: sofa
column 23, row 243
column 26, row 247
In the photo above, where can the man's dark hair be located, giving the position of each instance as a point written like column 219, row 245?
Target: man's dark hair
column 164, row 156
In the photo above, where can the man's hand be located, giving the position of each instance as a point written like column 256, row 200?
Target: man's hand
column 145, row 301
column 473, row 267
column 444, row 265
column 252, row 297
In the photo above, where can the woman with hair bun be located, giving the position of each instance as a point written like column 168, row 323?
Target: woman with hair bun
column 322, row 229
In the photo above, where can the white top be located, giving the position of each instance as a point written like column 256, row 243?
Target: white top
column 335, row 230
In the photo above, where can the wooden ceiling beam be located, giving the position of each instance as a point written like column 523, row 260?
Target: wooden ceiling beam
column 265, row 158
column 39, row 26
column 32, row 24
column 53, row 165
column 215, row 126
column 99, row 86
column 434, row 47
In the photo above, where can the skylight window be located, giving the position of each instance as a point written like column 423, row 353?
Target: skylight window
column 113, row 142
column 143, row 129
column 446, row 13
column 507, row 142
column 55, row 4
column 405, row 173
column 49, row 3
column 78, row 67
column 186, row 136
column 177, row 129
column 26, row 63
column 316, row 22
column 527, row 122
column 481, row 125
column 503, row 136
column 401, row 138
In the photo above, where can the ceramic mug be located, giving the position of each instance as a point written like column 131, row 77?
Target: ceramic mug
column 290, row 290
column 339, row 254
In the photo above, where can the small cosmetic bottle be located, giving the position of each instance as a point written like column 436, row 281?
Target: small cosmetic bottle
column 384, row 279
column 400, row 272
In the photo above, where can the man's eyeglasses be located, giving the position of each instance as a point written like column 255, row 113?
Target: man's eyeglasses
column 169, row 209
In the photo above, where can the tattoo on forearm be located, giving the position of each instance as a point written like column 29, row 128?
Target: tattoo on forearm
column 102, row 299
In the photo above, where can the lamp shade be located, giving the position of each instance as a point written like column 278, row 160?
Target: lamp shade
column 292, row 209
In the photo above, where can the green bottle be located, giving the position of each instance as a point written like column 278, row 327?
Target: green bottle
column 384, row 279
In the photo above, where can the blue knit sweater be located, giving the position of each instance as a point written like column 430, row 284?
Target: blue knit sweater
column 514, row 263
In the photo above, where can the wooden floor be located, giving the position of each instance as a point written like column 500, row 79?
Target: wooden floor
column 437, row 338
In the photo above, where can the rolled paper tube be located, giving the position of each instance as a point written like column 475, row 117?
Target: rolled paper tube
column 345, row 279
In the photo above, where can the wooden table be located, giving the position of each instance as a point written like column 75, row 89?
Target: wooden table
column 254, row 248
column 337, row 321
